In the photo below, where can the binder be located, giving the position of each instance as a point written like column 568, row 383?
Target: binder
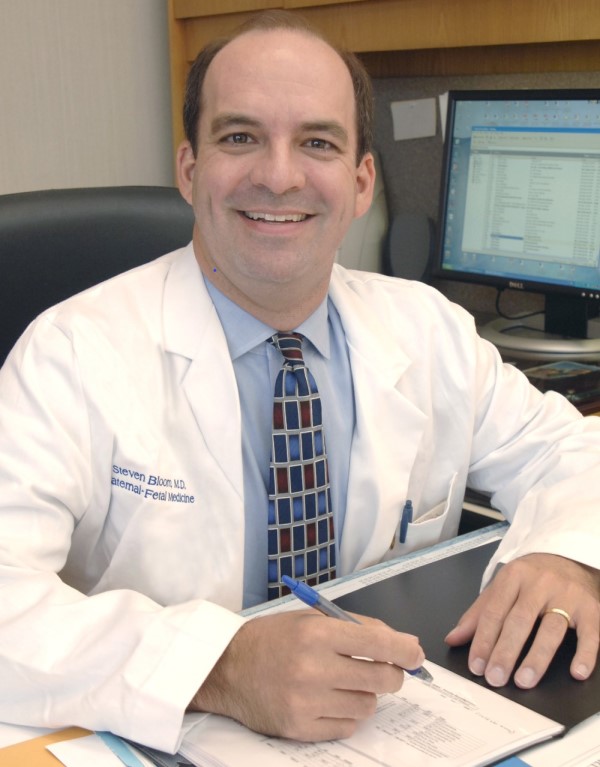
column 429, row 600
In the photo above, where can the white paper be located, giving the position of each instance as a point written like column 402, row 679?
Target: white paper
column 88, row 751
column 413, row 119
column 91, row 751
column 580, row 747
column 452, row 722
column 11, row 734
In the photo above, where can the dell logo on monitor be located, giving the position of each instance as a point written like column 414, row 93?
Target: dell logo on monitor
column 515, row 284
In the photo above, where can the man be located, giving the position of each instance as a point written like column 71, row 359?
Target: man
column 134, row 434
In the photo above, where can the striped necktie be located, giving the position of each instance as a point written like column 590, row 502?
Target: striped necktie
column 301, row 540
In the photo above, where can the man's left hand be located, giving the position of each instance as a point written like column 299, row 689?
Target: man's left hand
column 500, row 621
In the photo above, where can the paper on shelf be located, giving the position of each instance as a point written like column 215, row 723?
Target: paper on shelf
column 413, row 118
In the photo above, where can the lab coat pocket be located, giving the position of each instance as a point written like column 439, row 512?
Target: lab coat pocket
column 425, row 530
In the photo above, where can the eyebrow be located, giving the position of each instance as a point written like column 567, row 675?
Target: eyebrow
column 331, row 127
column 231, row 120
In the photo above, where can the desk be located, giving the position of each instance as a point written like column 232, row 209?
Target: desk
column 425, row 592
column 427, row 601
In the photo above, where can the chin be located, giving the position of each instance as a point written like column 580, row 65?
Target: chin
column 280, row 271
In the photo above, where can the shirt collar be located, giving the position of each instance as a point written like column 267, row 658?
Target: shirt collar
column 245, row 332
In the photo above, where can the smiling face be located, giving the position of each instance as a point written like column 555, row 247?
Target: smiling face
column 274, row 184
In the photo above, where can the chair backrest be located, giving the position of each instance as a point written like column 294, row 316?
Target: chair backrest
column 58, row 242
column 363, row 245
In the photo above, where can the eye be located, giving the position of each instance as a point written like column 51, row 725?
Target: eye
column 319, row 143
column 237, row 139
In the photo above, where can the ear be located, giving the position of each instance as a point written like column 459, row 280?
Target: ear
column 185, row 165
column 365, row 184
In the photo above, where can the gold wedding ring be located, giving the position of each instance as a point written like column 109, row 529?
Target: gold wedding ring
column 557, row 611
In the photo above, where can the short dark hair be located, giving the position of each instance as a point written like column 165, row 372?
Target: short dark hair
column 274, row 20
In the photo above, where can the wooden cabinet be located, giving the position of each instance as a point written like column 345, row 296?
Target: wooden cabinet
column 412, row 37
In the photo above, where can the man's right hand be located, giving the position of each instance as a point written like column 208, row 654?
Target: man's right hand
column 304, row 676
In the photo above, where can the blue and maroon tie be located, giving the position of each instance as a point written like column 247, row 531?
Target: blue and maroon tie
column 301, row 540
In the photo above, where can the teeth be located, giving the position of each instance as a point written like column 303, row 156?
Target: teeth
column 295, row 217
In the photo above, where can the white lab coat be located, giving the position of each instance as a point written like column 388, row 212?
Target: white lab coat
column 121, row 470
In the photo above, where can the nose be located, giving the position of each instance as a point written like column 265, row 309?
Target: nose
column 279, row 169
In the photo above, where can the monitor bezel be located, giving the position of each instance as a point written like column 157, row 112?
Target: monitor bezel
column 498, row 281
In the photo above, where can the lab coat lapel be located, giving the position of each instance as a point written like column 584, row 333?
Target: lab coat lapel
column 193, row 331
column 389, row 428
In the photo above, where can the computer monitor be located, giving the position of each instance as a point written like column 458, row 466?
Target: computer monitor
column 520, row 208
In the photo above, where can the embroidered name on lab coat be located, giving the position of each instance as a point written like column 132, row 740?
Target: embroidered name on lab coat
column 153, row 486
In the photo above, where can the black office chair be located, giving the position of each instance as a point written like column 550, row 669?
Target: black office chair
column 58, row 242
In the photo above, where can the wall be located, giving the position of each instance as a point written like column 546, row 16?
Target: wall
column 84, row 94
column 85, row 101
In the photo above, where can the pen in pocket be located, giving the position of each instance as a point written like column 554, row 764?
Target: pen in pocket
column 407, row 518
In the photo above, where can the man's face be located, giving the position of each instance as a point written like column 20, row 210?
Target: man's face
column 274, row 184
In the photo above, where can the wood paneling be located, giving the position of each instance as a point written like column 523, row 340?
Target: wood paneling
column 499, row 59
column 196, row 8
column 415, row 37
column 190, row 8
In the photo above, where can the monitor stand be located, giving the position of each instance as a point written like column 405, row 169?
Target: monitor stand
column 527, row 339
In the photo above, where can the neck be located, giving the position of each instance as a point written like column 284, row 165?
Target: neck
column 281, row 305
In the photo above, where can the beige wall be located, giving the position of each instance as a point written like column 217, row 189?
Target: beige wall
column 84, row 94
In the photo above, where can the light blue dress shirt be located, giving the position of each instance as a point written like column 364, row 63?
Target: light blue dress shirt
column 256, row 364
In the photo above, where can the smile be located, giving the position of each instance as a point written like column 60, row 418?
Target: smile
column 276, row 219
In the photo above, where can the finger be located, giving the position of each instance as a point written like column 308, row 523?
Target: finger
column 335, row 709
column 550, row 635
column 352, row 664
column 515, row 632
column 465, row 628
column 376, row 641
column 483, row 621
column 330, row 715
column 340, row 721
column 584, row 660
column 503, row 623
column 588, row 640
column 371, row 676
column 548, row 638
column 325, row 728
column 350, row 704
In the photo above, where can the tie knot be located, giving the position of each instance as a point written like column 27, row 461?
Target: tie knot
column 290, row 345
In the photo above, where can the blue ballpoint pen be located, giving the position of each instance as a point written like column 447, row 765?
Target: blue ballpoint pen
column 313, row 599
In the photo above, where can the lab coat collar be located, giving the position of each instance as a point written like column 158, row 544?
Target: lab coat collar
column 389, row 428
column 193, row 331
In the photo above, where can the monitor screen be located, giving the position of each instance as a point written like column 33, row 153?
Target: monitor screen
column 520, row 198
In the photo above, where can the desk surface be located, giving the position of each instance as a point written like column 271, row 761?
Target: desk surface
column 428, row 600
